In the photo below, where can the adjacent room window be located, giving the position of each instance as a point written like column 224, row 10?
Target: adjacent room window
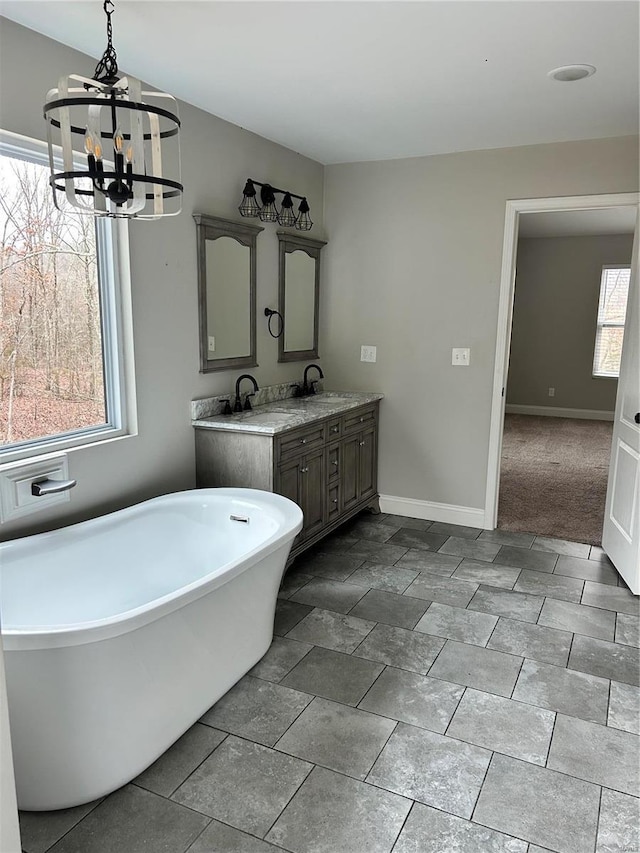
column 612, row 310
column 61, row 333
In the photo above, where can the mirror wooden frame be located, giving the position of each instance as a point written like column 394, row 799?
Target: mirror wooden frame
column 211, row 228
column 293, row 243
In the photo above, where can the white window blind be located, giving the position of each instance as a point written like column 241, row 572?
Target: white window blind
column 612, row 309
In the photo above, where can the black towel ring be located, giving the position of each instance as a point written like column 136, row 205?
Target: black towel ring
column 269, row 312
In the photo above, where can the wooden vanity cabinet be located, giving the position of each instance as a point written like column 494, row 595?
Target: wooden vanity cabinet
column 328, row 467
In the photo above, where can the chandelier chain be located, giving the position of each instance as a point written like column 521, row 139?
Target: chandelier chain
column 107, row 68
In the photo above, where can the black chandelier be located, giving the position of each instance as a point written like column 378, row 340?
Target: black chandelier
column 131, row 145
column 268, row 212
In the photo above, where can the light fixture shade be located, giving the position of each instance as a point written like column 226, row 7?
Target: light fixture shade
column 130, row 138
column 268, row 211
column 303, row 222
column 249, row 206
column 287, row 217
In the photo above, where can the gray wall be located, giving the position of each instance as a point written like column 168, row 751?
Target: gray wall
column 217, row 157
column 554, row 321
column 413, row 266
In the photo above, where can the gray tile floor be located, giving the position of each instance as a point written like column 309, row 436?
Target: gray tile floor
column 430, row 689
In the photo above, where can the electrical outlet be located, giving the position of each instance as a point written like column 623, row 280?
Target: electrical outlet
column 552, row 392
column 212, row 343
column 461, row 356
column 368, row 353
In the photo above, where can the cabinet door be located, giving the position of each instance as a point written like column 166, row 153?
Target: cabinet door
column 333, row 501
column 288, row 483
column 350, row 449
column 367, row 459
column 313, row 491
column 333, row 462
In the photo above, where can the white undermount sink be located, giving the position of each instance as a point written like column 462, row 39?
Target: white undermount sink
column 270, row 417
column 330, row 400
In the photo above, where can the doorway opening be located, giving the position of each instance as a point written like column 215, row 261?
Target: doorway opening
column 552, row 418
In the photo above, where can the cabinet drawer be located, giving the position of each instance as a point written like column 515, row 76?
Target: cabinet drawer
column 334, row 428
column 301, row 440
column 363, row 417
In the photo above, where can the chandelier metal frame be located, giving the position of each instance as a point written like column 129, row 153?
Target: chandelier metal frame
column 122, row 132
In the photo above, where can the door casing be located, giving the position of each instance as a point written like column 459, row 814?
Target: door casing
column 514, row 209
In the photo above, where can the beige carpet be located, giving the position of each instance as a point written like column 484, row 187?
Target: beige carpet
column 553, row 477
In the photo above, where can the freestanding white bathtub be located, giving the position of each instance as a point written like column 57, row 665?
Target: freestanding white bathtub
column 120, row 632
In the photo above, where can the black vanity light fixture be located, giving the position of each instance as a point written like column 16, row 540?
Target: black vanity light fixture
column 267, row 210
column 131, row 163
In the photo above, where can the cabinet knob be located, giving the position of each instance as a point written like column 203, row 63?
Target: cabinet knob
column 361, row 420
column 334, row 429
column 362, row 443
column 303, row 441
column 304, row 470
column 334, row 501
column 334, row 461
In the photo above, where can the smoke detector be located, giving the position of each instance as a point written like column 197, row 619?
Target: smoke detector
column 569, row 73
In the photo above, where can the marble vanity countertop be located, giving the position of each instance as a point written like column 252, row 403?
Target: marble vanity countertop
column 283, row 415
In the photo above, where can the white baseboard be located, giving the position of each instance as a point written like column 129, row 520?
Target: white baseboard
column 431, row 511
column 557, row 412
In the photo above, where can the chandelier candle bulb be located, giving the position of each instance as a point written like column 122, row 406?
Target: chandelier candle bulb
column 88, row 142
column 89, row 147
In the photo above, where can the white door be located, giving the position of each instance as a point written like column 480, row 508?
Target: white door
column 621, row 532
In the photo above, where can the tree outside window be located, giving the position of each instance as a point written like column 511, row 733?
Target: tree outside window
column 51, row 368
column 66, row 337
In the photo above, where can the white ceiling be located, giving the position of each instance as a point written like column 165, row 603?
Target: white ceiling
column 578, row 223
column 348, row 81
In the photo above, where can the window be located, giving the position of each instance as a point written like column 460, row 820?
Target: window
column 612, row 309
column 64, row 353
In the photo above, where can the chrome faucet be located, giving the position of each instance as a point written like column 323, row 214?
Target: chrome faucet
column 237, row 406
column 309, row 387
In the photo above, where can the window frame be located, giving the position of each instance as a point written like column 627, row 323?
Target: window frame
column 606, row 325
column 114, row 288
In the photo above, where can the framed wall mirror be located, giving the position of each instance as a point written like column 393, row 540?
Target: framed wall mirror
column 226, row 293
column 299, row 296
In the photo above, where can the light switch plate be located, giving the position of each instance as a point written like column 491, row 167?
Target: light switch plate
column 368, row 353
column 461, row 356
